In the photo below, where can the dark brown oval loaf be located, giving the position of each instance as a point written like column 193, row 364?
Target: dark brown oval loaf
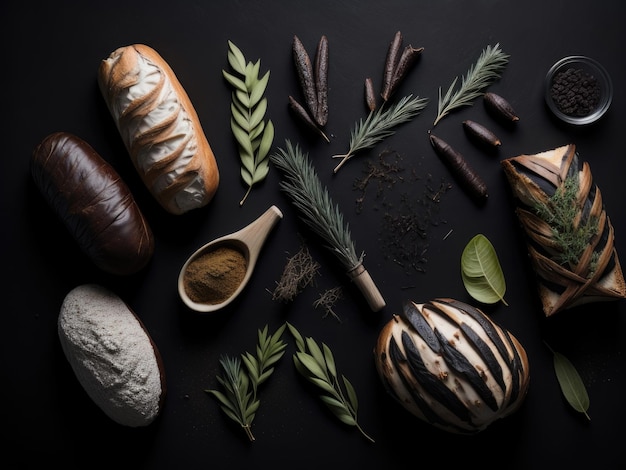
column 94, row 203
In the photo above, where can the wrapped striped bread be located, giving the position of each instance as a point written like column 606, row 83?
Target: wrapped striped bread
column 450, row 365
column 570, row 237
column 159, row 127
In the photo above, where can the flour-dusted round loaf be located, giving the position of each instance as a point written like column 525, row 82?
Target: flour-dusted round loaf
column 160, row 128
column 112, row 355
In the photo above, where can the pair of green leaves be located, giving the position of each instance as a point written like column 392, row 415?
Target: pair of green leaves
column 317, row 364
column 254, row 135
column 481, row 271
column 239, row 400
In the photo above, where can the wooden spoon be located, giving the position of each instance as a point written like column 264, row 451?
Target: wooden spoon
column 248, row 241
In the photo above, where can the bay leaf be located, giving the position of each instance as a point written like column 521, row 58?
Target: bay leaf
column 481, row 271
column 571, row 384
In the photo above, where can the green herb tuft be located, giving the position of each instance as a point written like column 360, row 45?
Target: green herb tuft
column 560, row 212
column 254, row 135
column 480, row 75
column 239, row 400
column 317, row 364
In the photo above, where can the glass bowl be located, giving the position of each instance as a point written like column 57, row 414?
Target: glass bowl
column 578, row 90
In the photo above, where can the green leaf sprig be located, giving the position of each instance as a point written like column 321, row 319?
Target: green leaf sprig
column 381, row 124
column 481, row 271
column 239, row 400
column 317, row 364
column 254, row 135
column 480, row 75
column 570, row 382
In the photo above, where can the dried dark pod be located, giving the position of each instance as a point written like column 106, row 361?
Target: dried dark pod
column 370, row 94
column 321, row 81
column 460, row 169
column 393, row 55
column 481, row 134
column 500, row 108
column 450, row 365
column 303, row 115
column 304, row 67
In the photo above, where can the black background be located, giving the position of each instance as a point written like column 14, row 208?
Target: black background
column 50, row 56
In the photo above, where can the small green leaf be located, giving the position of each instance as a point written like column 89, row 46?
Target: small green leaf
column 311, row 365
column 481, row 272
column 236, row 58
column 571, row 384
column 259, row 89
column 330, row 360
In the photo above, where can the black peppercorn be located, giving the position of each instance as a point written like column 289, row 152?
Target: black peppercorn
column 575, row 92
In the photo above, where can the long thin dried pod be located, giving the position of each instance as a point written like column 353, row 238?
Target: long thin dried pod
column 321, row 81
column 393, row 55
column 408, row 58
column 302, row 113
column 324, row 217
column 465, row 175
column 370, row 94
column 306, row 75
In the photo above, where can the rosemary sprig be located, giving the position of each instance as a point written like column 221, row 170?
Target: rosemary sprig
column 480, row 75
column 317, row 209
column 317, row 364
column 561, row 211
column 380, row 124
column 239, row 400
column 248, row 107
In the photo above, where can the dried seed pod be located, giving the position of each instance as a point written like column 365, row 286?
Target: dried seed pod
column 408, row 58
column 370, row 94
column 302, row 113
column 465, row 175
column 305, row 74
column 500, row 108
column 393, row 55
column 480, row 134
column 451, row 366
column 321, row 81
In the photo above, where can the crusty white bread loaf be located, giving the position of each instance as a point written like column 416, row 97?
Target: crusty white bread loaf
column 112, row 355
column 160, row 128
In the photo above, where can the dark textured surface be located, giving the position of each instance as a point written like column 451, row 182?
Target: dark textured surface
column 51, row 55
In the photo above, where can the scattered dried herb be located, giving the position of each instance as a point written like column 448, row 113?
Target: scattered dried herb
column 317, row 364
column 381, row 124
column 298, row 273
column 239, row 400
column 480, row 75
column 570, row 382
column 481, row 271
column 467, row 177
column 327, row 301
column 254, row 135
column 323, row 216
column 410, row 205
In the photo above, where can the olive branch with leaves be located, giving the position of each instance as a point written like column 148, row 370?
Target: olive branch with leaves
column 254, row 135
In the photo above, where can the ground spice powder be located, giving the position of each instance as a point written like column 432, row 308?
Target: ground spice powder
column 214, row 276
